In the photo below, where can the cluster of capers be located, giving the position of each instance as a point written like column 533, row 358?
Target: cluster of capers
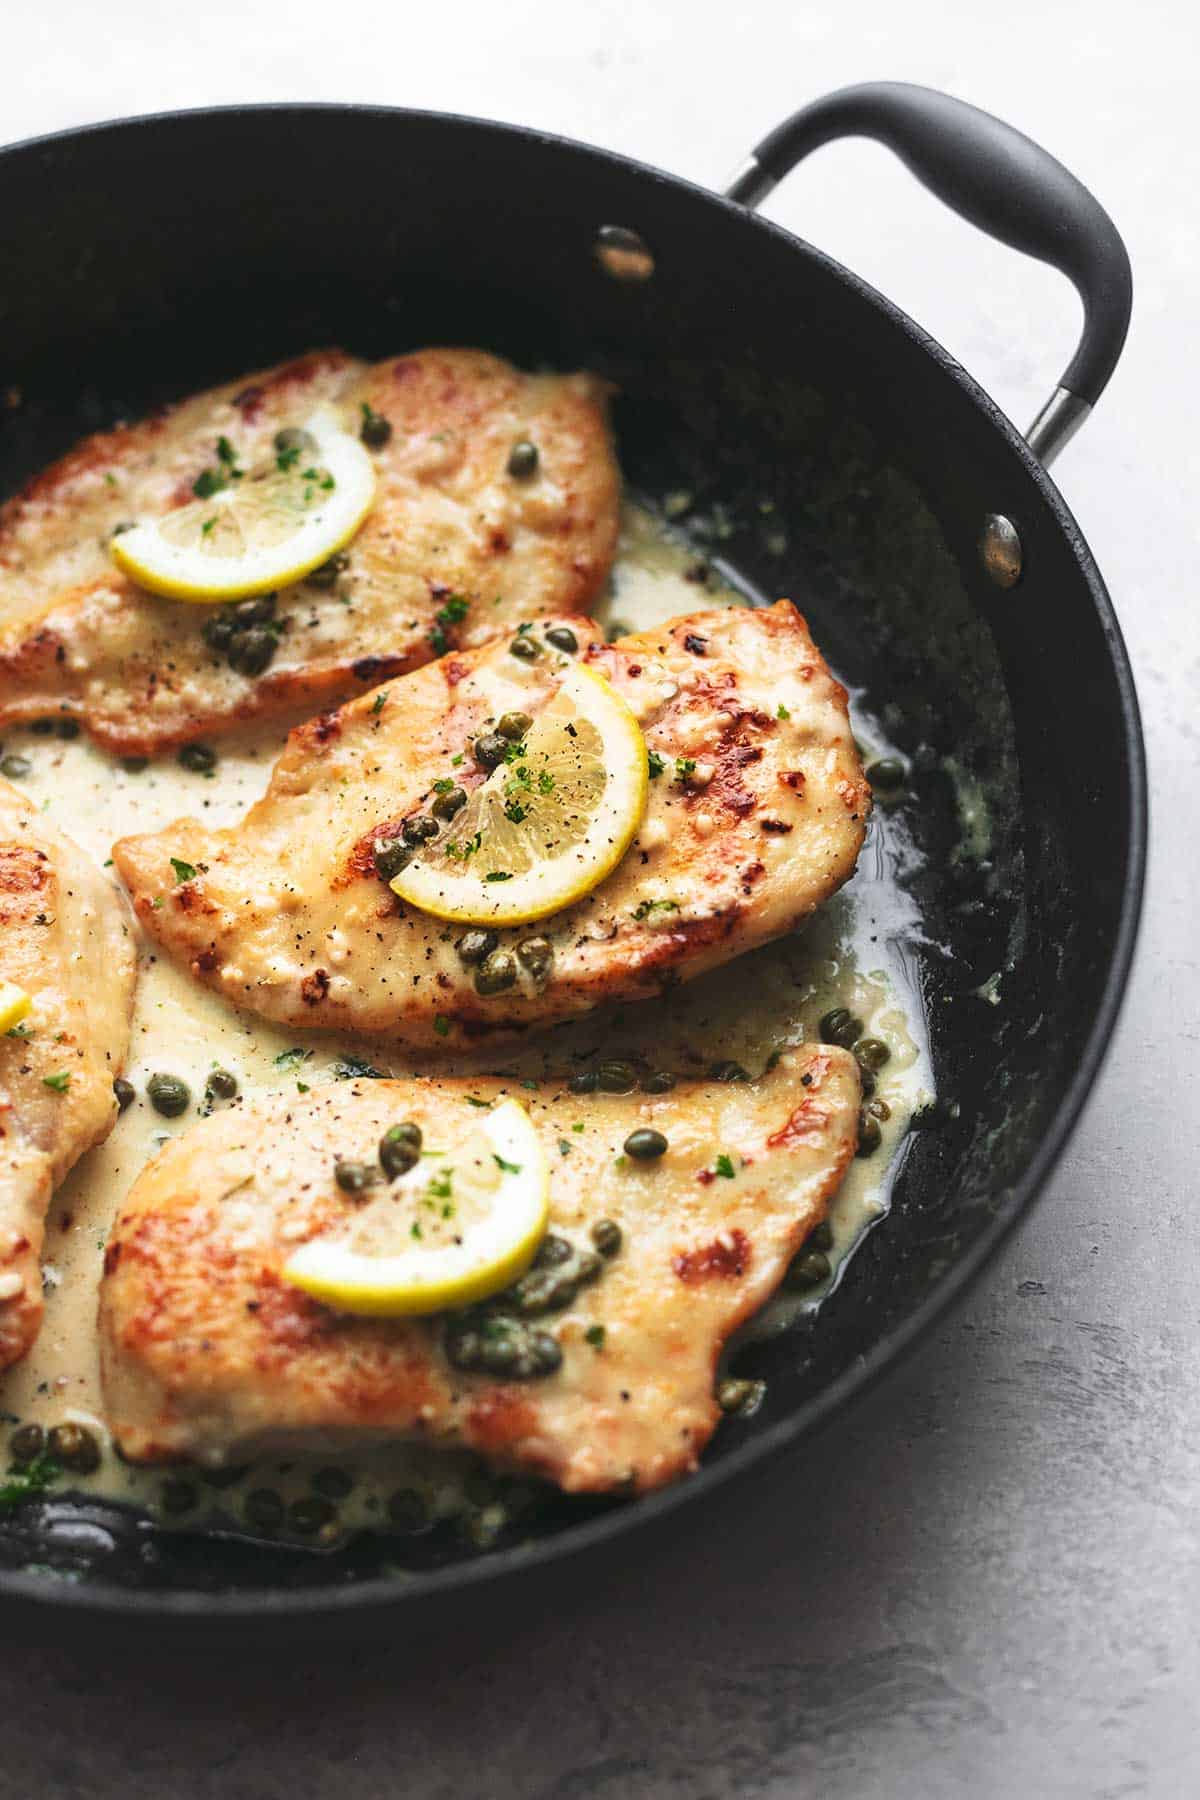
column 496, row 968
column 840, row 1027
column 526, row 648
column 616, row 1076
column 811, row 1263
column 394, row 852
column 171, row 1096
column 245, row 634
column 15, row 766
column 73, row 1446
column 498, row 1338
column 399, row 1151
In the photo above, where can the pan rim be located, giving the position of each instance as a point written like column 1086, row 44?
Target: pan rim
column 261, row 1606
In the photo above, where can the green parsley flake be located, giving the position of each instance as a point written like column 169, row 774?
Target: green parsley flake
column 508, row 1168
column 725, row 1166
column 656, row 765
column 441, row 1025
column 781, row 711
column 60, row 1082
column 380, row 700
column 184, row 871
column 291, row 1059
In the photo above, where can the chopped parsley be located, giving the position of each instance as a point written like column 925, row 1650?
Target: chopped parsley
column 184, row 871
column 725, row 1166
column 291, row 1059
column 564, row 1147
column 441, row 1025
column 644, row 908
column 462, row 848
column 352, row 1068
column 441, row 1185
column 27, row 1483
column 595, row 1336
column 473, row 1100
column 685, row 768
column 456, row 761
column 60, row 1082
column 781, row 711
column 443, row 786
column 514, row 811
column 508, row 1168
column 226, row 452
column 287, row 459
column 453, row 612
column 656, row 764
column 380, row 700
column 207, row 483
column 415, row 1229
column 498, row 874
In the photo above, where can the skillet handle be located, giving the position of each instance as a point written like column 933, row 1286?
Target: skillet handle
column 1000, row 181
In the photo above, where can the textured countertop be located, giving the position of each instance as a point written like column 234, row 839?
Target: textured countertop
column 986, row 1578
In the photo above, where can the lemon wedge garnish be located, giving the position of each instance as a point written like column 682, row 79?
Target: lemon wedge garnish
column 549, row 824
column 14, row 1004
column 259, row 528
column 461, row 1225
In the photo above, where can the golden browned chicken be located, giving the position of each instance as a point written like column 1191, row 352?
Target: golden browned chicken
column 65, row 938
column 595, row 1370
column 455, row 549
column 756, row 813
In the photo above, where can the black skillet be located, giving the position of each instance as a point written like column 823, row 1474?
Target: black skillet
column 918, row 530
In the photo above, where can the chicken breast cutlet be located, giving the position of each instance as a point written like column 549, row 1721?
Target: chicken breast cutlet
column 66, row 940
column 757, row 810
column 454, row 550
column 207, row 1353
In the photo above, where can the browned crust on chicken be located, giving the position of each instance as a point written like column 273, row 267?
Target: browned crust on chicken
column 448, row 524
column 208, row 1353
column 66, row 939
column 288, row 918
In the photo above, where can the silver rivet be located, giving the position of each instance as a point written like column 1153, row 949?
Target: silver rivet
column 1000, row 550
column 623, row 254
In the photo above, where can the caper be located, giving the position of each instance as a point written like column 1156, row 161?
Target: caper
column 505, row 1347
column 400, row 1149
column 168, row 1095
column 199, row 758
column 419, row 830
column 879, row 1109
column 513, row 725
column 474, row 945
column 547, row 1290
column 68, row 728
column 407, row 1510
column 75, row 1447
column 490, row 750
column 446, row 805
column 606, row 1234
column 15, row 767
column 133, row 765
column 310, row 1514
column 335, row 1484
column 658, row 1081
column 585, row 1082
column 870, row 1135
column 525, row 647
column 888, row 773
column 252, row 652
column 645, row 1145
column 728, row 1071
column 354, row 1177
column 871, row 1053
column 820, row 1237
column 375, row 430
column 839, row 1026
column 563, row 638
column 42, row 727
column 264, row 1509
column 616, row 1077
column 536, row 954
column 177, row 1496
column 258, row 610
column 739, row 1396
column 807, row 1269
column 553, row 1251
column 523, row 459
column 496, row 972
column 221, row 1084
column 124, row 1093
column 26, row 1444
column 328, row 574
column 293, row 438
column 866, row 1081
column 390, row 855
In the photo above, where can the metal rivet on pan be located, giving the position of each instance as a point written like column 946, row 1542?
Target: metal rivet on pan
column 623, row 254
column 1000, row 550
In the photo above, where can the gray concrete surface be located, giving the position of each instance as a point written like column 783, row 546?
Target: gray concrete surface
column 986, row 1579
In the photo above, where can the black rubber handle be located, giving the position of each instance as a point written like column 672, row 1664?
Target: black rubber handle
column 1000, row 181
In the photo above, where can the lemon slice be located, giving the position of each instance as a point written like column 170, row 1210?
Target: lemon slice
column 459, row 1226
column 261, row 528
column 14, row 1004
column 549, row 824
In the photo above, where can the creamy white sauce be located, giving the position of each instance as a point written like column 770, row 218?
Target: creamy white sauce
column 853, row 954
